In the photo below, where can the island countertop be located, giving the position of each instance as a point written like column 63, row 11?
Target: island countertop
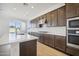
column 20, row 38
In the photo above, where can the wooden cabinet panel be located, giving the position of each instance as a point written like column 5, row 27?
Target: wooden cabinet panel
column 72, row 51
column 60, row 43
column 46, row 39
column 61, row 16
column 49, row 40
column 77, row 4
column 28, row 48
column 54, row 18
column 71, row 9
column 49, row 19
column 41, row 38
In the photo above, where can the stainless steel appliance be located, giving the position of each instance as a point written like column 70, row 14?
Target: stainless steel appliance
column 73, row 32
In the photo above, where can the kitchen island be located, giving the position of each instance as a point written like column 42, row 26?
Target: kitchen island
column 24, row 45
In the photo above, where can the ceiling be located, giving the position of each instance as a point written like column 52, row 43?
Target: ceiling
column 23, row 11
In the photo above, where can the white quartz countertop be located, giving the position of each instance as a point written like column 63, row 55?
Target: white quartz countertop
column 20, row 38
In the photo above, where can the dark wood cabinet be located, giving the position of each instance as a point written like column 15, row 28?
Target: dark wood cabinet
column 47, row 39
column 72, row 10
column 58, row 16
column 41, row 38
column 72, row 51
column 60, row 43
column 54, row 18
column 49, row 19
column 77, row 4
column 61, row 16
column 28, row 48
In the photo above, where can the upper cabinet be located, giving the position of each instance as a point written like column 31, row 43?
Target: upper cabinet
column 49, row 18
column 72, row 10
column 53, row 18
column 77, row 4
column 61, row 16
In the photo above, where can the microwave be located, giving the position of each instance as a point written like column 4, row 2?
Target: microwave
column 73, row 22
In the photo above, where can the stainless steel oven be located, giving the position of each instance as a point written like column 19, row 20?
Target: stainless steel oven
column 73, row 32
column 73, row 22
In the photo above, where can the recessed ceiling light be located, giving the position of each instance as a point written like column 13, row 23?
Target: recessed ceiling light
column 32, row 7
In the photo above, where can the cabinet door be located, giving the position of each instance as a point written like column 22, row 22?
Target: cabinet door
column 41, row 38
column 72, row 51
column 61, row 16
column 49, row 19
column 28, row 48
column 71, row 9
column 54, row 18
column 49, row 40
column 60, row 43
column 77, row 4
column 46, row 38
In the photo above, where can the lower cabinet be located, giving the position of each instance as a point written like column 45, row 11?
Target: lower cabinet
column 55, row 41
column 41, row 38
column 72, row 51
column 60, row 43
column 49, row 40
column 28, row 48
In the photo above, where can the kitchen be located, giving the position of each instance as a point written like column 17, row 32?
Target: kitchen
column 55, row 25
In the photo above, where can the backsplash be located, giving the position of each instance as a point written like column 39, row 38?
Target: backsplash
column 51, row 30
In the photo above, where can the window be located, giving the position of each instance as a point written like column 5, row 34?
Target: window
column 15, row 27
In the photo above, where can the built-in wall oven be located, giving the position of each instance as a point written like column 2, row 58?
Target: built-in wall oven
column 73, row 32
